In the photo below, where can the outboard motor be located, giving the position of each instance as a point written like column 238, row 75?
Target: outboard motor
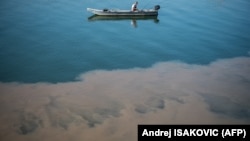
column 157, row 7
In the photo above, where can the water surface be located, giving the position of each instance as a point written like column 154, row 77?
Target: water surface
column 66, row 77
column 53, row 41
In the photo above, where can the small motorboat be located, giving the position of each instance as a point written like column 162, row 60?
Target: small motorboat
column 118, row 12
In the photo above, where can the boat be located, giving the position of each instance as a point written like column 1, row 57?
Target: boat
column 118, row 12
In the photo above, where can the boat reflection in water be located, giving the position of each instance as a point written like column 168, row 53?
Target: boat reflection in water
column 133, row 19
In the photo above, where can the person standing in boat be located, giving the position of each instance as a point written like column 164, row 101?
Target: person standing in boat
column 134, row 6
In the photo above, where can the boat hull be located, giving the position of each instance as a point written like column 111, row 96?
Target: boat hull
column 106, row 12
column 113, row 18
